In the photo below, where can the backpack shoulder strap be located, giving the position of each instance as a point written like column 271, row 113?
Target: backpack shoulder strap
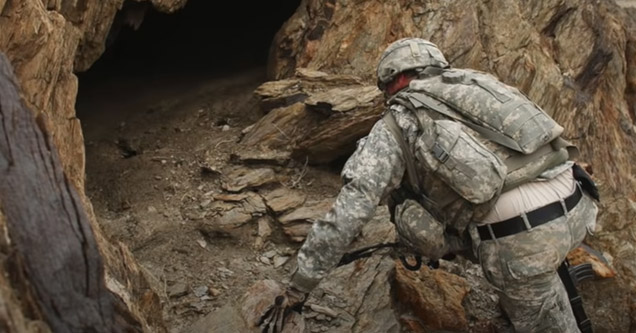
column 420, row 99
column 409, row 159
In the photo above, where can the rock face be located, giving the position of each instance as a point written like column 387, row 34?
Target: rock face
column 46, row 41
column 575, row 60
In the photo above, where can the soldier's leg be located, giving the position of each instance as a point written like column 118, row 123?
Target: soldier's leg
column 523, row 270
column 528, row 286
column 542, row 305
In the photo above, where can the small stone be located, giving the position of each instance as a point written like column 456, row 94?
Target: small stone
column 164, row 161
column 247, row 129
column 178, row 290
column 205, row 203
column 264, row 260
column 225, row 128
column 158, row 177
column 215, row 292
column 225, row 271
column 200, row 291
column 269, row 254
column 202, row 243
column 280, row 260
column 152, row 209
column 323, row 310
column 197, row 305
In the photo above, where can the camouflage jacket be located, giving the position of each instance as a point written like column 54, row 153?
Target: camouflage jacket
column 371, row 174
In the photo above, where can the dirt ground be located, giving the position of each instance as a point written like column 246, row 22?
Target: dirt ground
column 148, row 143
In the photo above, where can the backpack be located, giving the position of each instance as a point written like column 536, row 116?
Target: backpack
column 479, row 135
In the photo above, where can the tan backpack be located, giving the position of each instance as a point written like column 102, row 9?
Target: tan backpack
column 479, row 135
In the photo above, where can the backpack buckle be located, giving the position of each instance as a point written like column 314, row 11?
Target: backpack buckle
column 440, row 153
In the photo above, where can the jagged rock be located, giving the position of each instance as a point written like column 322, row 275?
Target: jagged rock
column 200, row 291
column 233, row 218
column 264, row 231
column 282, row 199
column 280, row 128
column 282, row 93
column 178, row 289
column 323, row 127
column 343, row 100
column 309, row 211
column 226, row 319
column 243, row 178
column 249, row 155
column 280, row 260
column 297, row 232
column 583, row 254
column 231, row 197
column 60, row 238
column 435, row 296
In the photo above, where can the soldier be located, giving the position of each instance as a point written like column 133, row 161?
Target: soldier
column 445, row 178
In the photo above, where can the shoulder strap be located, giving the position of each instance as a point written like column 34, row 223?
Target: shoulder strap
column 409, row 159
column 420, row 99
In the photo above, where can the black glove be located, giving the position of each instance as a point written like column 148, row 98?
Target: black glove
column 587, row 184
column 274, row 318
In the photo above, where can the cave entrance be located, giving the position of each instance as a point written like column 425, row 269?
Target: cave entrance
column 162, row 93
column 153, row 55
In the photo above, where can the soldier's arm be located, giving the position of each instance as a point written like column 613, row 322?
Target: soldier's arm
column 372, row 172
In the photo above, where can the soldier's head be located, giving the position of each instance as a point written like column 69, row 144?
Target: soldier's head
column 404, row 60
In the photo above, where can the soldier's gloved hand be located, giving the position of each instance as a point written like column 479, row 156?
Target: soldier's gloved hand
column 275, row 316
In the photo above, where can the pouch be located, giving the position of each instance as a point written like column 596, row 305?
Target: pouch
column 419, row 230
column 462, row 162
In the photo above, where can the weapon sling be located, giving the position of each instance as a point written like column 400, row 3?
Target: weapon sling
column 582, row 321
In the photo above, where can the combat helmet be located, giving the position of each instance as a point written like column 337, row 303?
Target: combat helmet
column 408, row 54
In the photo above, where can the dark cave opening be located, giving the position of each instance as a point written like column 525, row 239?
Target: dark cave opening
column 202, row 36
column 171, row 53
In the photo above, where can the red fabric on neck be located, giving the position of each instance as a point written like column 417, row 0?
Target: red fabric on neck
column 398, row 83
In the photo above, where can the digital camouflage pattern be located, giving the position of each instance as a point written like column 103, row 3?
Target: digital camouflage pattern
column 408, row 54
column 374, row 170
column 522, row 269
column 421, row 232
column 487, row 101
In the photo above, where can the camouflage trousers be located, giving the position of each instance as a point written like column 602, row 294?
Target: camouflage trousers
column 523, row 270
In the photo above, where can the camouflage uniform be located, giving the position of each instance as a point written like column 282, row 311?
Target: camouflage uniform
column 522, row 269
column 530, row 292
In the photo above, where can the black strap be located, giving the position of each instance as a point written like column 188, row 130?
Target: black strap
column 582, row 321
column 368, row 251
column 535, row 218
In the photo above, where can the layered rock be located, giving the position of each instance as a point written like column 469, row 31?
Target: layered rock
column 46, row 42
column 574, row 59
